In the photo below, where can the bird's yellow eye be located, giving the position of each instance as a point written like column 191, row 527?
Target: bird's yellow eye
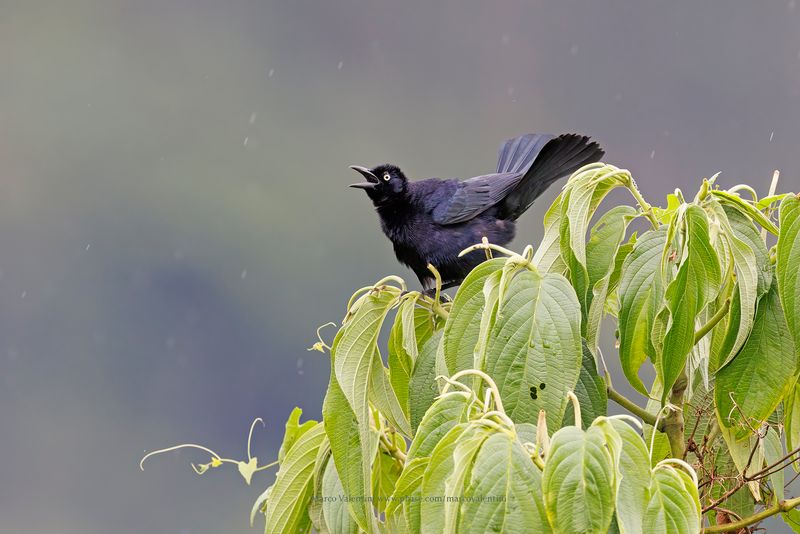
column 386, row 177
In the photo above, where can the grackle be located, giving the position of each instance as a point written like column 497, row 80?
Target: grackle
column 433, row 220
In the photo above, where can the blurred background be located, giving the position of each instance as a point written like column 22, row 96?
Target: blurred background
column 175, row 221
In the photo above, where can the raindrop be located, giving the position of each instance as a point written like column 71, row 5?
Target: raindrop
column 270, row 73
column 506, row 39
column 618, row 97
column 253, row 118
column 771, row 135
column 653, row 153
column 791, row 5
column 574, row 50
column 24, row 293
column 246, row 139
column 88, row 246
column 340, row 65
column 244, row 274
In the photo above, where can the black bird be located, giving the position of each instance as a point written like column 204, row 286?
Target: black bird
column 433, row 220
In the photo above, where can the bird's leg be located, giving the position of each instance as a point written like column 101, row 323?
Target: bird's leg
column 431, row 291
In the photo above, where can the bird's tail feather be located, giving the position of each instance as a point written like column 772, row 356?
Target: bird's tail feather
column 517, row 154
column 558, row 157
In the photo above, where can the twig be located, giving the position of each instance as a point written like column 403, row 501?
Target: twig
column 631, row 406
column 768, row 470
column 745, row 478
column 716, row 318
column 647, row 209
column 782, row 506
column 392, row 449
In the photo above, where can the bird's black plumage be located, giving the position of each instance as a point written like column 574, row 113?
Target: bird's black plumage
column 433, row 220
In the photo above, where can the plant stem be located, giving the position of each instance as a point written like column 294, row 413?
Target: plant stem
column 673, row 422
column 782, row 506
column 773, row 186
column 392, row 449
column 631, row 406
column 716, row 318
column 647, row 209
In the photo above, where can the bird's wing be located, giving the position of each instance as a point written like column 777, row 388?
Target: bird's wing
column 474, row 196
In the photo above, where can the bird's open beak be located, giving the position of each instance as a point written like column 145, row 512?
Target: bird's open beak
column 371, row 182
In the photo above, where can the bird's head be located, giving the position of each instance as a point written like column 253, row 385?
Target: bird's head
column 384, row 182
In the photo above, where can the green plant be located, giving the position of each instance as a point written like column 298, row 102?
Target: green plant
column 467, row 426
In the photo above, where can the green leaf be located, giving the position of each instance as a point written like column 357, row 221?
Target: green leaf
column 504, row 490
column 445, row 413
column 751, row 386
column 601, row 258
column 792, row 519
column 434, row 481
column 491, row 299
column 354, row 369
column 400, row 361
column 464, row 453
column 535, row 347
column 640, row 293
column 382, row 395
column 696, row 284
column 753, row 276
column 613, row 281
column 462, row 327
column 407, row 495
column 315, row 512
column 741, row 502
column 293, row 431
column 632, row 489
column 350, row 446
column 767, row 202
column 246, row 469
column 582, row 194
column 423, row 389
column 674, row 505
column 788, row 260
column 334, row 508
column 791, row 418
column 287, row 506
column 736, row 201
column 548, row 256
column 385, row 472
column 591, row 392
column 357, row 347
column 699, row 414
column 579, row 481
column 773, row 452
column 746, row 454
column 259, row 506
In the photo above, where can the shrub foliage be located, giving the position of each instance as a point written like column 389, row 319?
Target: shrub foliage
column 488, row 413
